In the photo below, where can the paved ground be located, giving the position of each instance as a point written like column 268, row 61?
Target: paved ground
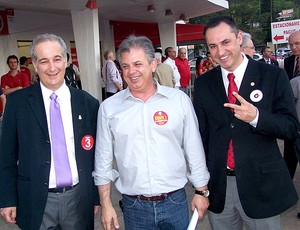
column 289, row 221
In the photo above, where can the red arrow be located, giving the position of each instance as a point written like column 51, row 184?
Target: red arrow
column 276, row 38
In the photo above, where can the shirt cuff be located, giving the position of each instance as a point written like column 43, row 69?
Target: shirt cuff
column 255, row 121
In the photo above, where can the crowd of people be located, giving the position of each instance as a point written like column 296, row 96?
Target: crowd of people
column 61, row 151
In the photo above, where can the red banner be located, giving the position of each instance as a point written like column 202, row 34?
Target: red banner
column 74, row 57
column 3, row 23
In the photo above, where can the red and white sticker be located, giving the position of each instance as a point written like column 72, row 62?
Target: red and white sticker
column 160, row 118
column 87, row 142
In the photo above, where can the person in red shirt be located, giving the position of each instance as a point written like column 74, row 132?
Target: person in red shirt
column 24, row 67
column 199, row 66
column 183, row 66
column 14, row 79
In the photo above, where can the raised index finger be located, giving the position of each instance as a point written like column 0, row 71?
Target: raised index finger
column 239, row 98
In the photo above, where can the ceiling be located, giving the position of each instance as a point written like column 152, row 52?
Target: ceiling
column 123, row 10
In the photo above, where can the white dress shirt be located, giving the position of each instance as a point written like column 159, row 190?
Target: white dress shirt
column 153, row 143
column 64, row 100
column 239, row 75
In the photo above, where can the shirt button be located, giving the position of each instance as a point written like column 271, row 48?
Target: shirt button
column 232, row 126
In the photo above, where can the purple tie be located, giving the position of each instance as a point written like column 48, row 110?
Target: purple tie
column 59, row 148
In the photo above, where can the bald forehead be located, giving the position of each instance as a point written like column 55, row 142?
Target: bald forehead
column 295, row 35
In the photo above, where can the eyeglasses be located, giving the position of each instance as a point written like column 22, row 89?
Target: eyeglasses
column 294, row 44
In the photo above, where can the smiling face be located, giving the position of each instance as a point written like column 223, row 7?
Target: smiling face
column 13, row 64
column 224, row 46
column 50, row 64
column 137, row 71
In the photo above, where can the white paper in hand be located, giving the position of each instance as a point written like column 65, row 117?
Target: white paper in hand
column 194, row 220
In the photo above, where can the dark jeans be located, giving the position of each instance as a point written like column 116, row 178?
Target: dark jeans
column 170, row 213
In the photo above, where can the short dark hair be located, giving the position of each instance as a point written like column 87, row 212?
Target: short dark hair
column 23, row 59
column 264, row 49
column 158, row 50
column 167, row 50
column 198, row 61
column 12, row 57
column 214, row 22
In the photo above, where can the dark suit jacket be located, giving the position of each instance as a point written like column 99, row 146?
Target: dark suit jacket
column 273, row 62
column 25, row 155
column 289, row 64
column 264, row 184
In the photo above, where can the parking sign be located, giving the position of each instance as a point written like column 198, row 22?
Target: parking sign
column 282, row 30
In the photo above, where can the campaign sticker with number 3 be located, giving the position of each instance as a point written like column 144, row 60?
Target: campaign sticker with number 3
column 87, row 142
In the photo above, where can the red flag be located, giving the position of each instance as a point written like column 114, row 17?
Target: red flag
column 3, row 23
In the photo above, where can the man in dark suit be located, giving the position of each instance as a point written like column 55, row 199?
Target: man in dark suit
column 31, row 196
column 247, row 171
column 267, row 56
column 292, row 68
column 290, row 64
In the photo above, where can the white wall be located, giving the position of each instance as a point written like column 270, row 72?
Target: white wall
column 25, row 25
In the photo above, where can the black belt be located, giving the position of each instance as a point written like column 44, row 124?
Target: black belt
column 153, row 198
column 61, row 190
column 230, row 172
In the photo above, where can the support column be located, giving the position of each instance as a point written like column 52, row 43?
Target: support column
column 106, row 36
column 86, row 34
column 167, row 34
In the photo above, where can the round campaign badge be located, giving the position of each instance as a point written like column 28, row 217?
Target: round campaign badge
column 256, row 95
column 87, row 142
column 160, row 118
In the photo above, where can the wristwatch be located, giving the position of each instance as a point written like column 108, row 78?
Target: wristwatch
column 204, row 193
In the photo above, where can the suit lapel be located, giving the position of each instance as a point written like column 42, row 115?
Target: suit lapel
column 38, row 108
column 78, row 114
column 217, row 86
column 250, row 81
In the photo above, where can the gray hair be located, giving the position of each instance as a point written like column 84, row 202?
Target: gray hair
column 246, row 37
column 47, row 37
column 158, row 57
column 107, row 53
column 141, row 42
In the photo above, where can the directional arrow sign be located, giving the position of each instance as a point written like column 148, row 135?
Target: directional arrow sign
column 277, row 38
column 282, row 30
